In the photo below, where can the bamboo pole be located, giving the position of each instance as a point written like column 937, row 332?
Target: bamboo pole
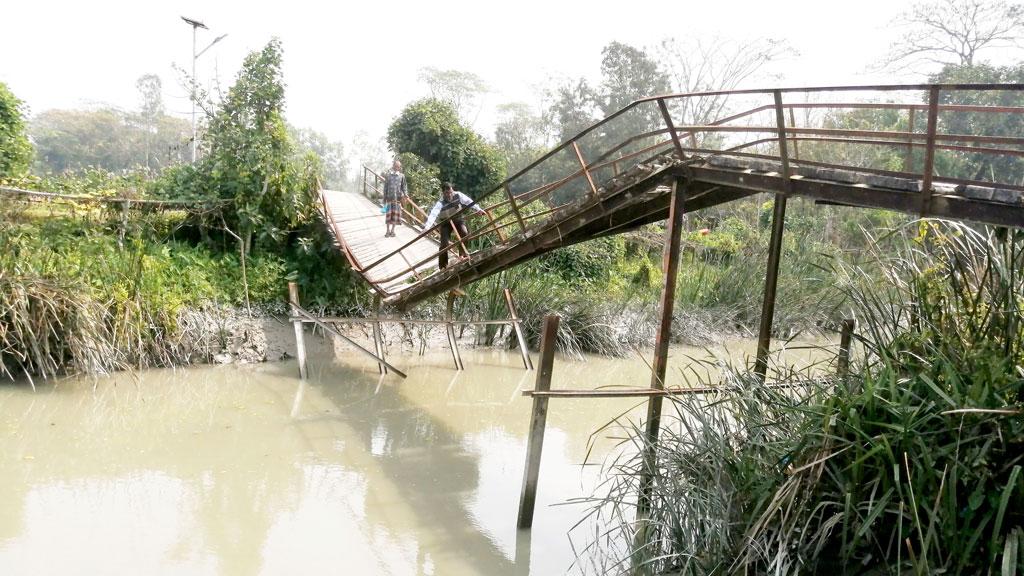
column 538, row 420
column 452, row 339
column 378, row 343
column 328, row 328
column 514, row 315
column 300, row 342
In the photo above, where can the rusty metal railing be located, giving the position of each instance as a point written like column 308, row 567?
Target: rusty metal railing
column 575, row 172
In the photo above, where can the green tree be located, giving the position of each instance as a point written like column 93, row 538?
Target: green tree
column 461, row 90
column 332, row 156
column 974, row 166
column 431, row 130
column 251, row 161
column 628, row 74
column 15, row 148
column 571, row 108
column 520, row 134
column 953, row 32
column 108, row 139
column 423, row 179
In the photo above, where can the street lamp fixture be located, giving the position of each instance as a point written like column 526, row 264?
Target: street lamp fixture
column 196, row 25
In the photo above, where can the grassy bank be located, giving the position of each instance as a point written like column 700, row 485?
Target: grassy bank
column 84, row 288
column 913, row 464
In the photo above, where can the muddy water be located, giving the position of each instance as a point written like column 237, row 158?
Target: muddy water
column 243, row 470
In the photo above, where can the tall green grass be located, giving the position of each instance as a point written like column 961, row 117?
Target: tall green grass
column 84, row 290
column 911, row 465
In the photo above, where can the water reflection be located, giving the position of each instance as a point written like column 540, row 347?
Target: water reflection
column 245, row 470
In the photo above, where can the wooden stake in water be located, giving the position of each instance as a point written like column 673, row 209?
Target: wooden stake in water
column 538, row 420
column 453, row 341
column 845, row 336
column 300, row 342
column 514, row 315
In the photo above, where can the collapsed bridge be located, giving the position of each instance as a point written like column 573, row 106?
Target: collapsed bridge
column 917, row 149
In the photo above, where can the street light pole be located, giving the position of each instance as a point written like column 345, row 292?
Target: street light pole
column 196, row 25
column 193, row 96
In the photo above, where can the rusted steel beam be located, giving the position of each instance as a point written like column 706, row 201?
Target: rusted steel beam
column 929, row 152
column 583, row 166
column 557, row 227
column 792, row 122
column 764, row 334
column 943, row 206
column 538, row 421
column 671, row 128
column 945, row 179
column 908, row 159
column 893, row 134
column 670, row 274
column 893, row 143
column 864, row 88
column 780, row 126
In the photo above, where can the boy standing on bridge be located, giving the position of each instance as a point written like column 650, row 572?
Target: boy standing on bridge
column 450, row 204
column 395, row 192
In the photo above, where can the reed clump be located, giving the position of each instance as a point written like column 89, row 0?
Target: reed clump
column 912, row 464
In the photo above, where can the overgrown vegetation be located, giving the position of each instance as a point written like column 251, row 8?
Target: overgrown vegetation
column 95, row 286
column 912, row 464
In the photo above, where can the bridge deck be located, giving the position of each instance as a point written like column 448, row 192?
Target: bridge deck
column 358, row 227
column 615, row 176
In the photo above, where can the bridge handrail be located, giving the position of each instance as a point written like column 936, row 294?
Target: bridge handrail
column 929, row 140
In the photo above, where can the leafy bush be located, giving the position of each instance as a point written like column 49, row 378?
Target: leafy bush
column 15, row 149
column 431, row 130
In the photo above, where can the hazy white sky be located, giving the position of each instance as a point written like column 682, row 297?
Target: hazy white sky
column 353, row 66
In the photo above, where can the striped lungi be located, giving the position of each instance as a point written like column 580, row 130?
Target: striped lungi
column 394, row 215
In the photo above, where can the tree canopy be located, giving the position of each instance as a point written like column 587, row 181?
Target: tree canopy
column 955, row 31
column 15, row 148
column 431, row 129
column 248, row 157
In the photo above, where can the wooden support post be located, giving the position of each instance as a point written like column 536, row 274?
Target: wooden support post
column 843, row 360
column 300, row 342
column 535, row 443
column 378, row 336
column 450, row 328
column 527, row 362
column 764, row 333
column 670, row 272
column 929, row 151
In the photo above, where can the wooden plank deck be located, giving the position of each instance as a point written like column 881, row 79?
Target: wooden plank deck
column 358, row 225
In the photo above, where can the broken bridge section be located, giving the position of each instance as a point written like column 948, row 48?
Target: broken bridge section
column 914, row 149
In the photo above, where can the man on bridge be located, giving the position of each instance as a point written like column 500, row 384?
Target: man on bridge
column 450, row 204
column 395, row 192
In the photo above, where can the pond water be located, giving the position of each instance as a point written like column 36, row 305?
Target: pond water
column 239, row 470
